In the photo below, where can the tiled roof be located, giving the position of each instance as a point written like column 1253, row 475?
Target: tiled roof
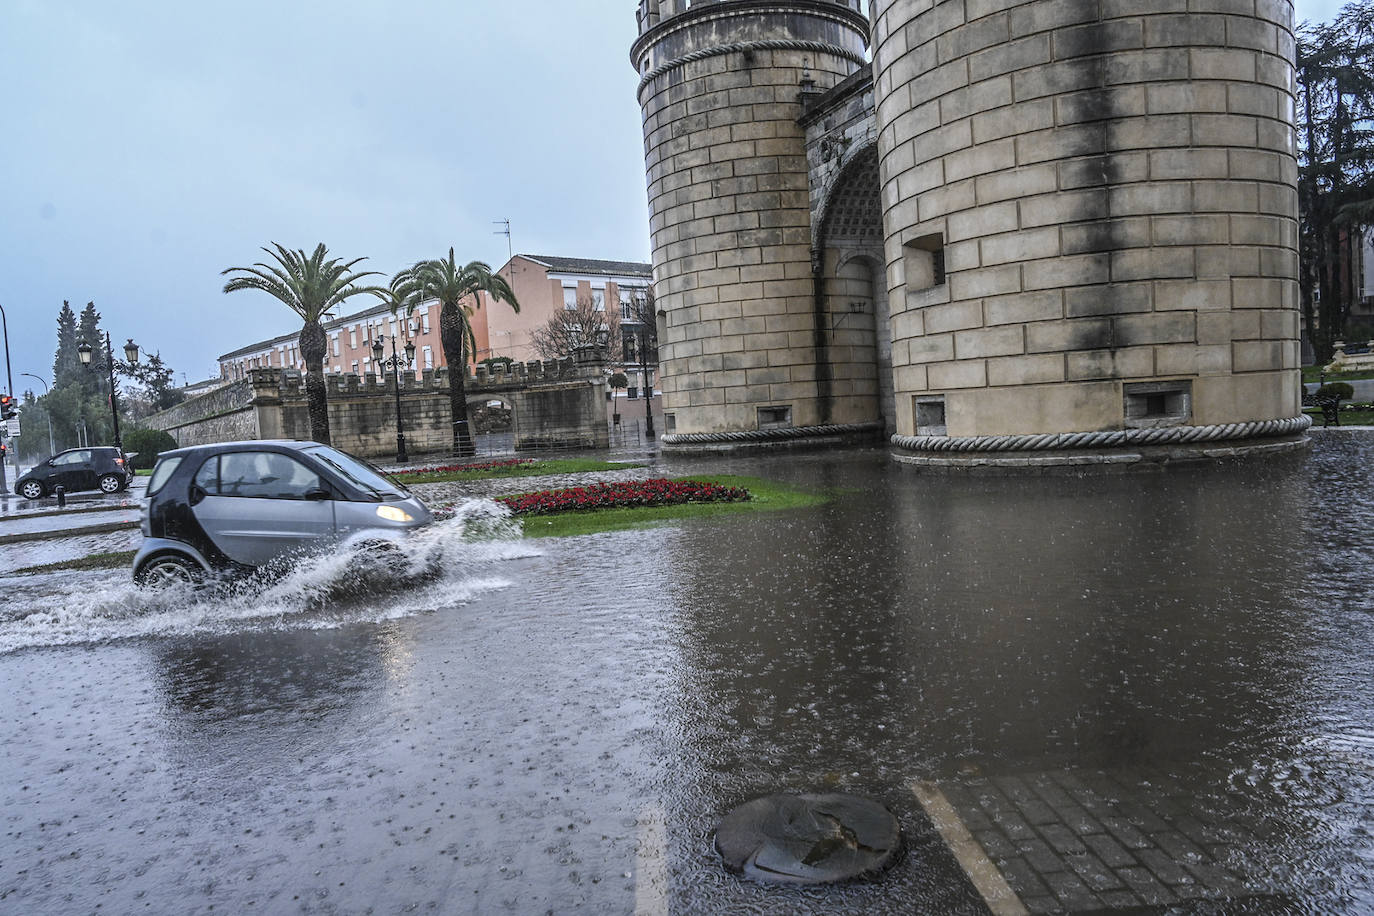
column 591, row 266
column 331, row 325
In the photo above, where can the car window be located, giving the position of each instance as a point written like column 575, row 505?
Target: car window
column 162, row 473
column 207, row 478
column 68, row 458
column 265, row 475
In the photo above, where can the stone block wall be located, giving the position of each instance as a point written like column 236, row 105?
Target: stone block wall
column 554, row 405
column 222, row 415
column 729, row 203
column 1078, row 196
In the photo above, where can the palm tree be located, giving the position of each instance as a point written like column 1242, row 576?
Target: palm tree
column 310, row 286
column 449, row 284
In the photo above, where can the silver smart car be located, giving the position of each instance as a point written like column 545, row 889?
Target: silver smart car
column 237, row 506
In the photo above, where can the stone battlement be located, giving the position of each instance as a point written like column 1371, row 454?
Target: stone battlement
column 652, row 12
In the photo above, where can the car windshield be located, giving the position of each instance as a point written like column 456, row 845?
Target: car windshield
column 360, row 473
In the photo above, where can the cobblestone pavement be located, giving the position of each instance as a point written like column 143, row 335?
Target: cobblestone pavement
column 1072, row 841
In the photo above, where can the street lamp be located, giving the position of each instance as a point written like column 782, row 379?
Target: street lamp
column 131, row 356
column 648, row 386
column 394, row 363
column 52, row 449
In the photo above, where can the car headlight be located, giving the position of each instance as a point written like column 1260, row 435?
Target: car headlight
column 393, row 514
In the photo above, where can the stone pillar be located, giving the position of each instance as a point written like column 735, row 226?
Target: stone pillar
column 741, row 343
column 1090, row 216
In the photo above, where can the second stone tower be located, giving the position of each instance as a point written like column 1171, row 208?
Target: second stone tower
column 742, row 340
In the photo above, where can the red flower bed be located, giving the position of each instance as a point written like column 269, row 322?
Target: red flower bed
column 657, row 492
column 483, row 466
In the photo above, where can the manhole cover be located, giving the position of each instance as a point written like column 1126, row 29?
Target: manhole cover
column 808, row 839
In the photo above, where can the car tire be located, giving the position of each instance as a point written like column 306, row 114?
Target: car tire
column 32, row 489
column 111, row 483
column 169, row 569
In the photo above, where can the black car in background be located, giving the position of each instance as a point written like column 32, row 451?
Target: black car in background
column 101, row 468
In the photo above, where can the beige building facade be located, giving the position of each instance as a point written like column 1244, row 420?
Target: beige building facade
column 1004, row 233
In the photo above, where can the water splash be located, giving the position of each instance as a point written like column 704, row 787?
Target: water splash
column 449, row 562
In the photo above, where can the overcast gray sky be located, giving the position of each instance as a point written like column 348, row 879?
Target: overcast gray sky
column 149, row 144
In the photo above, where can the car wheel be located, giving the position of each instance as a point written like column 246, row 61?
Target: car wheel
column 111, row 483
column 168, row 570
column 31, row 489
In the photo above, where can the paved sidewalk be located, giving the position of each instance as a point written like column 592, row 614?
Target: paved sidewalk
column 1076, row 841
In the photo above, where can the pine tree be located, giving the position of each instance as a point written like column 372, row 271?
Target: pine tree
column 88, row 332
column 66, row 364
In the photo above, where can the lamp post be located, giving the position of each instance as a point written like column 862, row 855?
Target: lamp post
column 131, row 356
column 394, row 363
column 648, row 386
column 52, row 449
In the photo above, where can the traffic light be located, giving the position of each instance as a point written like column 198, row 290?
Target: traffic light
column 9, row 408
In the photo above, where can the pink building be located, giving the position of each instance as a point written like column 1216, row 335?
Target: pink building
column 542, row 285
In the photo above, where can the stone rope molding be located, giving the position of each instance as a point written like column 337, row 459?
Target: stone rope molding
column 765, row 44
column 1168, row 435
column 770, row 435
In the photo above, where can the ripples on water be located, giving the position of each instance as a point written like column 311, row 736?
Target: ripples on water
column 449, row 562
column 1203, row 636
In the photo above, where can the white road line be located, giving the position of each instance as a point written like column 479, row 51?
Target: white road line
column 986, row 878
column 651, row 863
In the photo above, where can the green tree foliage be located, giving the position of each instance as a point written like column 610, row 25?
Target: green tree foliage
column 154, row 378
column 1335, row 111
column 145, row 445
column 456, row 288
column 309, row 285
column 66, row 364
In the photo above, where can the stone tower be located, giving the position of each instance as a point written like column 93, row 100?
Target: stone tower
column 744, row 343
column 1091, row 233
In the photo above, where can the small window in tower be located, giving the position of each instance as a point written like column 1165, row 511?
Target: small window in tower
column 924, row 259
column 1152, row 404
column 670, row 423
column 775, row 417
column 930, row 415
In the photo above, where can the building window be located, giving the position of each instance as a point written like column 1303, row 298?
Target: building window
column 353, row 337
column 570, row 297
column 425, row 321
column 775, row 417
column 1152, row 404
column 429, row 357
column 355, row 367
column 335, row 342
column 924, row 260
column 626, row 312
column 930, row 416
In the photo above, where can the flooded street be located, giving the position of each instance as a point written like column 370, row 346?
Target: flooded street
column 1128, row 691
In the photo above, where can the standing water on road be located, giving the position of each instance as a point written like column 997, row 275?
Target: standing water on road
column 1129, row 690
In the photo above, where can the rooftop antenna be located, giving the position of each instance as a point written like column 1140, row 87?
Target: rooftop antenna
column 510, row 253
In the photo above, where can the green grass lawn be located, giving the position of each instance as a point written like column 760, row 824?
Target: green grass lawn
column 94, row 561
column 765, row 496
column 1348, row 417
column 1314, row 374
column 534, row 469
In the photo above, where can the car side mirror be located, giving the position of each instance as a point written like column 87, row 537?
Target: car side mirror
column 316, row 493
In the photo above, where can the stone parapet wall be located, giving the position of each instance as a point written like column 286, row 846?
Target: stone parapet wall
column 555, row 404
column 729, row 201
column 1110, row 191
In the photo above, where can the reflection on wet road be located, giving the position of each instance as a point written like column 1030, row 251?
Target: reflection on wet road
column 1127, row 690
